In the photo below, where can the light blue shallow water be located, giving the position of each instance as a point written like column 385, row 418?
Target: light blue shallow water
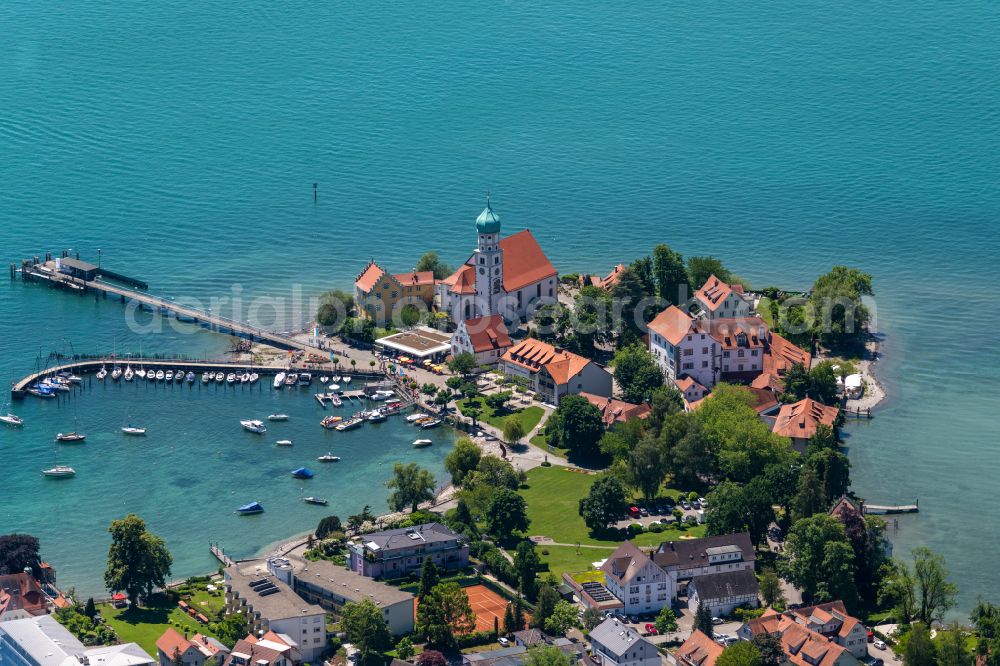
column 183, row 138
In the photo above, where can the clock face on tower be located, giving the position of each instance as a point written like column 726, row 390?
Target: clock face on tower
column 496, row 285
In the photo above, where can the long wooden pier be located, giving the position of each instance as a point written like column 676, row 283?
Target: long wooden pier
column 46, row 272
column 220, row 554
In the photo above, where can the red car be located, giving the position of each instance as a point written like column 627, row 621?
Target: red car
column 634, row 511
column 651, row 629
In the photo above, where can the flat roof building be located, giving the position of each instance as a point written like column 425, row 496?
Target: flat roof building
column 41, row 641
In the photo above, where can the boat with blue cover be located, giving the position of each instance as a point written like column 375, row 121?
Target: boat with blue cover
column 302, row 473
column 251, row 508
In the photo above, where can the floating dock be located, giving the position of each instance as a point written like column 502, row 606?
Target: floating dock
column 886, row 509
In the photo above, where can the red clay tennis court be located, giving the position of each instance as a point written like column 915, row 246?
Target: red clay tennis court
column 486, row 604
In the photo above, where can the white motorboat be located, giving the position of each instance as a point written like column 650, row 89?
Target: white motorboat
column 179, row 375
column 168, row 376
column 70, row 437
column 315, row 500
column 206, row 377
column 189, row 378
column 382, row 395
column 284, row 442
column 231, row 377
column 12, row 419
column 140, row 373
column 279, row 380
column 133, row 430
column 116, row 373
column 245, row 378
column 305, row 379
column 254, row 377
column 102, row 373
column 291, row 379
column 323, row 379
column 416, row 417
column 59, row 471
column 129, row 375
column 220, row 377
column 71, row 378
column 254, row 426
column 333, row 387
column 376, row 416
column 421, row 443
column 277, row 417
column 335, row 400
column 329, row 457
column 151, row 376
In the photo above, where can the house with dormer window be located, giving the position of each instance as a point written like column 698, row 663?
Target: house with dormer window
column 642, row 586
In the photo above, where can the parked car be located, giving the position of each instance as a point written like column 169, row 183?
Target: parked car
column 874, row 661
column 717, row 621
column 644, row 512
column 633, row 511
column 651, row 629
column 685, row 505
column 503, row 641
column 879, row 644
column 696, row 504
column 701, row 500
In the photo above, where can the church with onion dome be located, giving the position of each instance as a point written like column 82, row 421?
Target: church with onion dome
column 509, row 276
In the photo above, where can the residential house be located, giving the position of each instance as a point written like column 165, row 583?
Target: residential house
column 642, row 586
column 509, row 276
column 486, row 338
column 398, row 552
column 798, row 421
column 823, row 635
column 848, row 511
column 271, row 649
column 21, row 596
column 737, row 350
column 698, row 650
column 41, row 641
column 616, row 644
column 514, row 655
column 692, row 392
column 607, row 282
column 270, row 604
column 172, row 649
column 552, row 372
column 691, row 558
column 718, row 300
column 381, row 296
column 723, row 592
column 331, row 586
column 615, row 411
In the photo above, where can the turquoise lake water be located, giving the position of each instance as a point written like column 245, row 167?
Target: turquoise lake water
column 183, row 138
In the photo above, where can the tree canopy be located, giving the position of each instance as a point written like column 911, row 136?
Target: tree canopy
column 575, row 425
column 821, row 560
column 18, row 552
column 636, row 373
column 138, row 561
column 412, row 483
column 462, row 459
column 366, row 628
column 443, row 614
column 741, row 653
column 430, row 261
column 604, row 504
column 507, row 513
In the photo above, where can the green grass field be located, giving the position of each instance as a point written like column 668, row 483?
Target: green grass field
column 145, row 625
column 553, row 497
column 529, row 416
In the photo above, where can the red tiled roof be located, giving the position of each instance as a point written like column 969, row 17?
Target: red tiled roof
column 170, row 641
column 462, row 281
column 607, row 282
column 487, row 333
column 616, row 411
column 799, row 419
column 21, row 591
column 369, row 277
column 533, row 355
column 418, row 278
column 524, row 263
column 714, row 292
column 745, row 332
column 672, row 324
column 699, row 650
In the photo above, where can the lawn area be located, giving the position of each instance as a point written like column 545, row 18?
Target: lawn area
column 569, row 559
column 539, row 440
column 553, row 496
column 145, row 625
column 529, row 416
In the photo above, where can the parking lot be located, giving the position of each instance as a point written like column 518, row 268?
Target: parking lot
column 662, row 512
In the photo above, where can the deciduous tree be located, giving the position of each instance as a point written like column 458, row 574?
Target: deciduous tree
column 18, row 552
column 819, row 557
column 547, row 655
column 919, row 649
column 366, row 628
column 636, row 373
column 430, row 261
column 604, row 504
column 412, row 485
column 444, row 614
column 526, row 566
column 462, row 459
column 671, row 277
column 507, row 513
column 138, row 560
column 647, row 467
column 935, row 594
column 741, row 653
column 562, row 619
column 575, row 425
